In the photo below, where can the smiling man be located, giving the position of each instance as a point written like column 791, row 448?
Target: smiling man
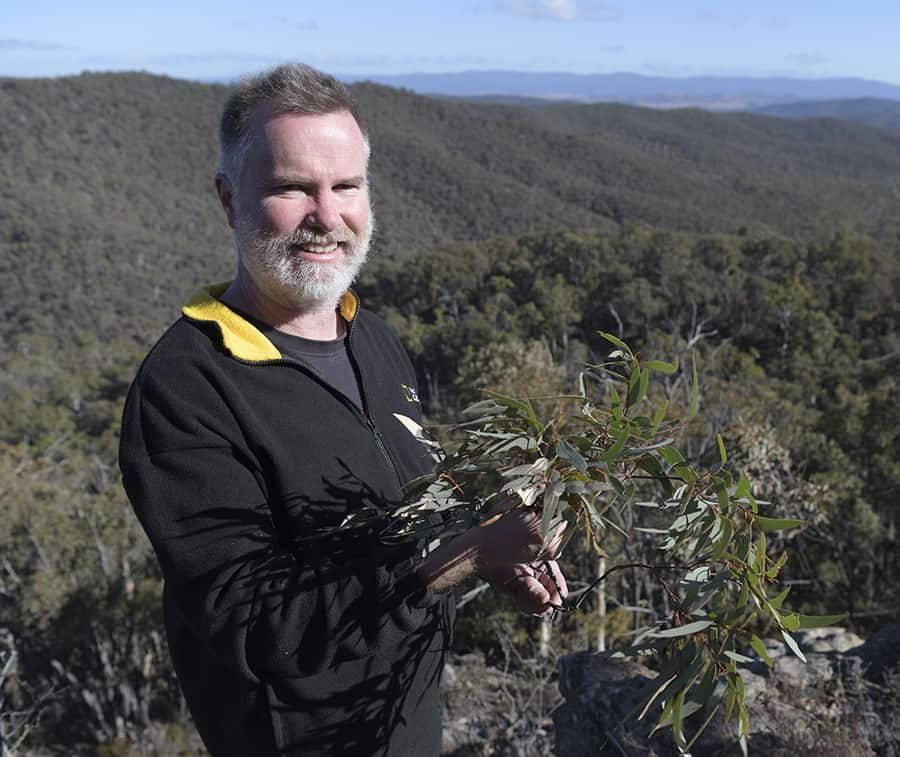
column 265, row 418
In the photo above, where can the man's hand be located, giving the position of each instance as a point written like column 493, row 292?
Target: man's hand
column 513, row 538
column 537, row 588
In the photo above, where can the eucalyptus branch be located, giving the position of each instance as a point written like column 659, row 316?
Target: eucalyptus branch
column 603, row 451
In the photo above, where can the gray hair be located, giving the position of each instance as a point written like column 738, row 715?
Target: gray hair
column 289, row 88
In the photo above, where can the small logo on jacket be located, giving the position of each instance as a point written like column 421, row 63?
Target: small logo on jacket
column 410, row 393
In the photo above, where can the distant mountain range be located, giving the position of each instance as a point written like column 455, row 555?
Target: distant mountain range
column 708, row 92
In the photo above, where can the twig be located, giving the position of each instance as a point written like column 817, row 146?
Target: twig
column 575, row 605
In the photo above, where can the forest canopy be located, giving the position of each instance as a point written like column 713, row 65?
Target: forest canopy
column 508, row 237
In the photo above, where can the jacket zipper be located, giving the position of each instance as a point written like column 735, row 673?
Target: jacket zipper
column 370, row 421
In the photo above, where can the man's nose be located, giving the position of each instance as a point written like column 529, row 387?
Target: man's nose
column 325, row 216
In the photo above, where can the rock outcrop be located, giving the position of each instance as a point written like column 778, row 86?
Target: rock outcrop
column 845, row 700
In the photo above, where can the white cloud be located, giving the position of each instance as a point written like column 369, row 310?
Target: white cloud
column 559, row 10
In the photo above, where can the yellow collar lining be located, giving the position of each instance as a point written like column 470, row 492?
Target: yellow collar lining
column 240, row 337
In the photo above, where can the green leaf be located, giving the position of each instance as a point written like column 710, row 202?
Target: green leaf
column 685, row 630
column 651, row 465
column 723, row 456
column 672, row 455
column 567, row 452
column 642, row 386
column 709, row 590
column 489, row 406
column 666, row 717
column 658, row 417
column 731, row 697
column 778, row 600
column 776, row 568
column 722, row 497
column 616, row 341
column 653, row 697
column 760, row 648
column 819, row 621
column 707, row 686
column 789, row 640
column 791, row 621
column 737, row 657
column 616, row 402
column 720, row 545
column 523, row 407
column 617, row 485
column 663, row 443
column 551, row 500
column 677, row 730
column 743, row 486
column 760, row 564
column 621, row 439
column 660, row 366
column 634, row 381
column 538, row 466
column 776, row 524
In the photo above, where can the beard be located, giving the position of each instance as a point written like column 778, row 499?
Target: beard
column 276, row 266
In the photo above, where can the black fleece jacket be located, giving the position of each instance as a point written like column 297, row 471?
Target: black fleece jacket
column 291, row 632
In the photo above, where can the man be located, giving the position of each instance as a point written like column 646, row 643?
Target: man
column 261, row 420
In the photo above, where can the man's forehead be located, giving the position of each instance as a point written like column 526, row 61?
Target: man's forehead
column 277, row 137
column 267, row 118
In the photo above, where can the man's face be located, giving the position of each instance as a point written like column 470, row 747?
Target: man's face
column 301, row 211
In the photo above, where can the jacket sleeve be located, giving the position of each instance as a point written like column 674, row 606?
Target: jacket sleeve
column 264, row 608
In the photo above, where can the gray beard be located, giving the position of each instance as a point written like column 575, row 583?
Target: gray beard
column 276, row 268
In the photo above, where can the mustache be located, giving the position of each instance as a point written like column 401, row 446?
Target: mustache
column 303, row 236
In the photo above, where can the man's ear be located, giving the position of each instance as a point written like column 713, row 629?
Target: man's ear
column 226, row 197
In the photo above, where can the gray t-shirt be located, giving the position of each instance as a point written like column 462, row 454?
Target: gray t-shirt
column 328, row 358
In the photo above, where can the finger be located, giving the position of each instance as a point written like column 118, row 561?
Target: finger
column 514, row 573
column 531, row 596
column 553, row 542
column 558, row 578
column 548, row 581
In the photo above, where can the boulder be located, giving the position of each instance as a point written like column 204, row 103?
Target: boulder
column 844, row 700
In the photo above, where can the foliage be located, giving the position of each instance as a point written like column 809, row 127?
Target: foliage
column 770, row 248
column 584, row 467
column 798, row 349
column 80, row 593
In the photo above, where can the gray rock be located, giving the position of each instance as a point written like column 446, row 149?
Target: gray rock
column 844, row 700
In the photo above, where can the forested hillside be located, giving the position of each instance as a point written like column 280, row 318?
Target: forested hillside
column 508, row 236
column 107, row 194
column 866, row 110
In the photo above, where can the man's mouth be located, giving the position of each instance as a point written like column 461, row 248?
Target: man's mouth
column 318, row 249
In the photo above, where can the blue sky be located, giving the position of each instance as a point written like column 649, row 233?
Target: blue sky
column 224, row 39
